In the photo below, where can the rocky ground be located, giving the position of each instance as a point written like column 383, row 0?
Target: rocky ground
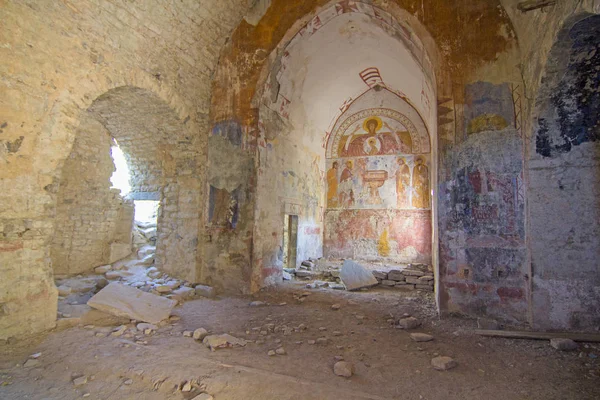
column 289, row 340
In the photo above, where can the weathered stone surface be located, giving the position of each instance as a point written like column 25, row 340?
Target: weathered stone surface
column 428, row 288
column 563, row 344
column 355, row 276
column 125, row 301
column 380, row 275
column 408, row 323
column 200, row 334
column 203, row 396
column 215, row 342
column 82, row 380
column 388, row 283
column 205, row 291
column 119, row 251
column 421, row 337
column 413, row 272
column 343, row 368
column 443, row 363
column 185, row 292
column 396, row 275
column 63, row 290
column 102, row 269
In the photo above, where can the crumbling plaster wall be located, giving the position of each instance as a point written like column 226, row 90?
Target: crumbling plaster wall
column 89, row 214
column 561, row 168
column 57, row 58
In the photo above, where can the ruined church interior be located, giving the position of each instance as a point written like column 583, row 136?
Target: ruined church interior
column 300, row 199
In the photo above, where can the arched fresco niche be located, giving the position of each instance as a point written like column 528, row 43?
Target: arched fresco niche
column 343, row 58
column 379, row 182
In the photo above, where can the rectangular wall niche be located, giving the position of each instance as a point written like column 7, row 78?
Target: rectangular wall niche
column 290, row 240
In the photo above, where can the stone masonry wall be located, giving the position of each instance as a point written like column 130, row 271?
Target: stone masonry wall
column 57, row 58
column 89, row 214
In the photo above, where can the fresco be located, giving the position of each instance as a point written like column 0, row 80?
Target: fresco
column 378, row 189
column 379, row 182
column 489, row 107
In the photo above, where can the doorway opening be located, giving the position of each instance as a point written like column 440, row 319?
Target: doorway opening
column 290, row 240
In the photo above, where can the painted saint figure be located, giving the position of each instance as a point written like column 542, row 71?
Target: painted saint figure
column 402, row 184
column 420, row 184
column 346, row 196
column 332, row 185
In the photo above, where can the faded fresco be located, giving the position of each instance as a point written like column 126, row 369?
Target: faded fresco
column 378, row 190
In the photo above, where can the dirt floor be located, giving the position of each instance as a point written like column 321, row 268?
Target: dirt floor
column 388, row 364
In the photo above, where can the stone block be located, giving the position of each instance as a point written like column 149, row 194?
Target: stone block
column 396, row 275
column 413, row 272
column 380, row 275
column 428, row 288
column 119, row 251
column 205, row 291
column 125, row 301
column 355, row 276
column 388, row 283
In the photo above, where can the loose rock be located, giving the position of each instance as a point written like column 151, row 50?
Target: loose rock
column 408, row 323
column 443, row 363
column 82, row 380
column 421, row 337
column 200, row 334
column 343, row 368
column 563, row 344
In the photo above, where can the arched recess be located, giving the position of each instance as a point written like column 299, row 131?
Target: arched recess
column 90, row 223
column 378, row 202
column 564, row 171
column 343, row 61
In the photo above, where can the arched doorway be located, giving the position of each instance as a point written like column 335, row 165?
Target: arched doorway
column 343, row 68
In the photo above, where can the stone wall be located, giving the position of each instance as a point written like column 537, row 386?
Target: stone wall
column 564, row 182
column 89, row 214
column 58, row 57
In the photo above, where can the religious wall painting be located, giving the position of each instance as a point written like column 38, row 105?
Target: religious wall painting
column 373, row 136
column 420, row 183
column 379, row 182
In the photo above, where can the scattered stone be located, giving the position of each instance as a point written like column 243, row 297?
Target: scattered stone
column 31, row 363
column 408, row 323
column 163, row 289
column 215, row 342
column 343, row 368
column 286, row 276
column 119, row 331
column 271, row 353
column 337, row 333
column 143, row 327
column 257, row 304
column 443, row 363
column 355, row 276
column 187, row 387
column 563, row 344
column 338, row 358
column 125, row 301
column 184, row 292
column 205, row 291
column 203, row 396
column 322, row 341
column 280, row 351
column 101, row 270
column 82, row 380
column 64, row 290
column 128, row 382
column 188, row 333
column 200, row 334
column 35, row 356
column 421, row 337
column 336, row 307
column 312, row 341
